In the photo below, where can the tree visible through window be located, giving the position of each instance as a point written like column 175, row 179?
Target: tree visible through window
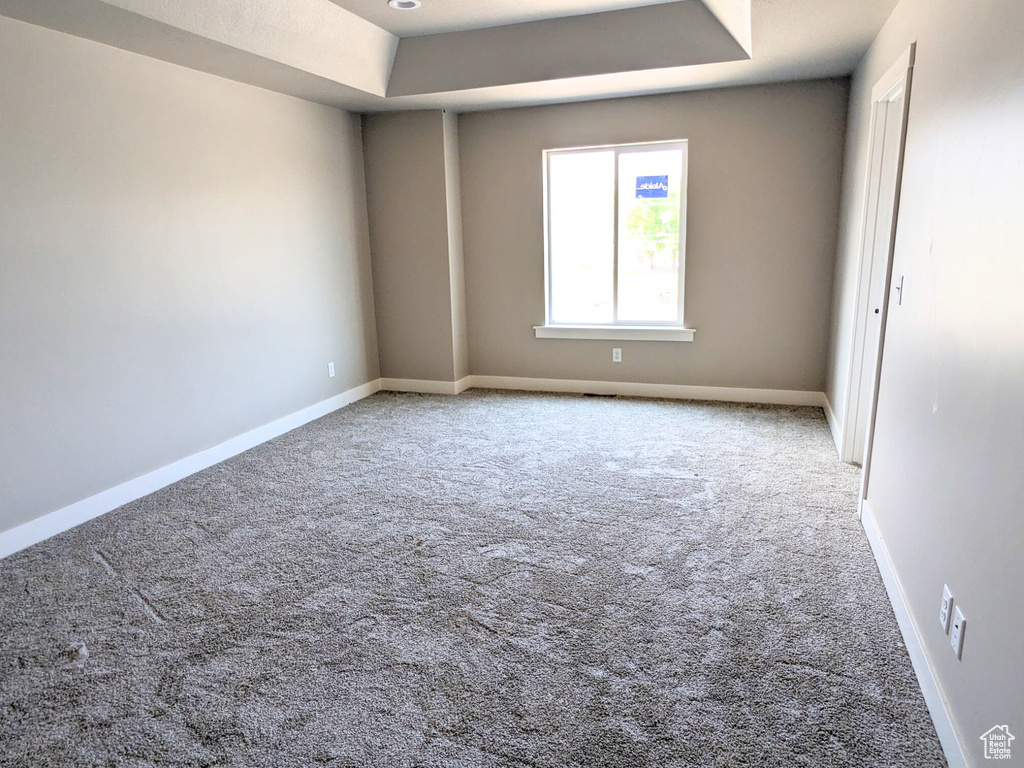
column 615, row 234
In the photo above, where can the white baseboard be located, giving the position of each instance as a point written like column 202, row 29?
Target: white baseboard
column 933, row 697
column 833, row 424
column 426, row 386
column 625, row 388
column 68, row 517
column 670, row 391
column 51, row 524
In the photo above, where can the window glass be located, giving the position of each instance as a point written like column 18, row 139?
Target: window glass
column 650, row 184
column 615, row 223
column 581, row 196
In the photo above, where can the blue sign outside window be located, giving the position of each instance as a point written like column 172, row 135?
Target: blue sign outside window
column 652, row 186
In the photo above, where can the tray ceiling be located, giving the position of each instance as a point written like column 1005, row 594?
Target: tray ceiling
column 478, row 54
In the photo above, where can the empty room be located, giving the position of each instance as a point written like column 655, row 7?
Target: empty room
column 535, row 384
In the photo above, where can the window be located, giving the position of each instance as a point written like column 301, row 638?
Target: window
column 615, row 221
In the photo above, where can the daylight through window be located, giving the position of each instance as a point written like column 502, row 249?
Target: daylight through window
column 616, row 222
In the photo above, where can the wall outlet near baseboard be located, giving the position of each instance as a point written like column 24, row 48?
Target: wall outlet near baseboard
column 945, row 608
column 956, row 637
column 330, row 370
column 616, row 355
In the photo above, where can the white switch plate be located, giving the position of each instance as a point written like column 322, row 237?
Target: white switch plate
column 956, row 637
column 946, row 608
column 330, row 370
column 616, row 355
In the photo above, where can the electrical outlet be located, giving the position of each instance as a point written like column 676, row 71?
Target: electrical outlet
column 330, row 370
column 956, row 637
column 616, row 355
column 945, row 608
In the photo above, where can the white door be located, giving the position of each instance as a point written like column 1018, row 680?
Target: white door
column 889, row 120
column 888, row 126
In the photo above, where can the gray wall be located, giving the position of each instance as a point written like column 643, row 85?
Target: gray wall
column 456, row 258
column 764, row 182
column 946, row 477
column 411, row 182
column 180, row 257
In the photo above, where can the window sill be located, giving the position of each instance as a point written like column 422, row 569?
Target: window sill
column 614, row 332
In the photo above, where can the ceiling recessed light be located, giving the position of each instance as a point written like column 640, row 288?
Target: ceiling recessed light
column 404, row 5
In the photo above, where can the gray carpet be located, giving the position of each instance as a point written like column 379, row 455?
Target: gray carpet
column 495, row 579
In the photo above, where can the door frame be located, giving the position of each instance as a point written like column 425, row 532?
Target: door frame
column 897, row 78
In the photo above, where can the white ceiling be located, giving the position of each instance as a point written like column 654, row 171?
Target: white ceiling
column 335, row 51
column 436, row 16
column 678, row 34
column 791, row 40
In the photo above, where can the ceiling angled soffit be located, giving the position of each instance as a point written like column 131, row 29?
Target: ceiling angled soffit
column 735, row 16
column 313, row 49
column 660, row 36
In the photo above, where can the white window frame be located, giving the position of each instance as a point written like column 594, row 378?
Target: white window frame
column 674, row 330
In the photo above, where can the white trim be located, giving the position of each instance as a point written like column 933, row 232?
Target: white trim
column 896, row 75
column 930, row 688
column 426, row 386
column 899, row 75
column 668, row 391
column 613, row 332
column 624, row 388
column 42, row 528
column 833, row 425
column 618, row 149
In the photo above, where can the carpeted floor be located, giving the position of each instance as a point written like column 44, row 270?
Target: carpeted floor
column 494, row 579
